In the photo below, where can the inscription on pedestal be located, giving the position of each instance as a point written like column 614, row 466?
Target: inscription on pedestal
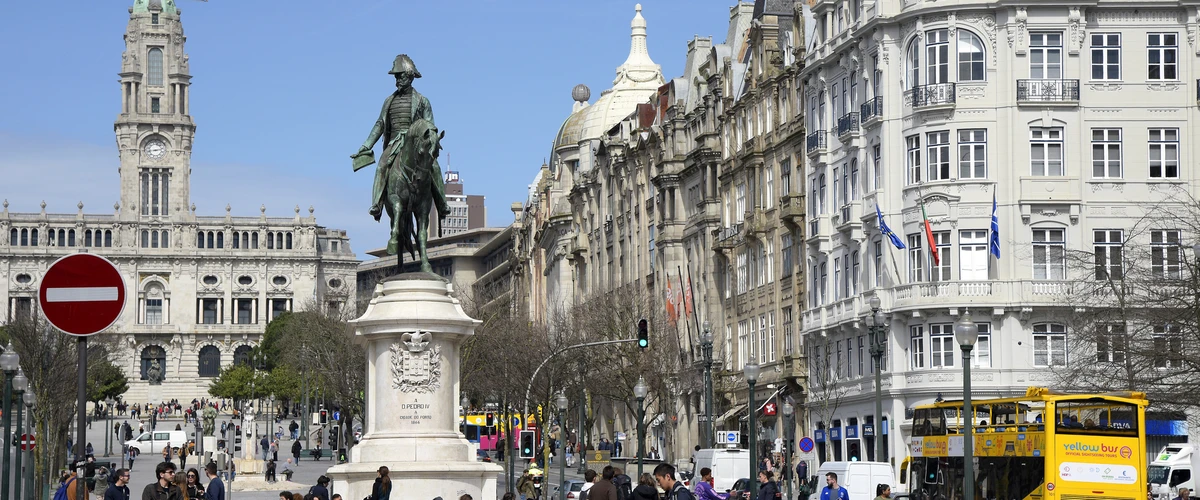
column 415, row 366
column 415, row 413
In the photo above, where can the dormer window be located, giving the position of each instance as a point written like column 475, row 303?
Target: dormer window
column 155, row 66
column 153, row 18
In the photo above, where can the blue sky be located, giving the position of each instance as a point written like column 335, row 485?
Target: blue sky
column 284, row 92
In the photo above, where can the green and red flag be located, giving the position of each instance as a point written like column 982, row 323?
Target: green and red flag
column 937, row 261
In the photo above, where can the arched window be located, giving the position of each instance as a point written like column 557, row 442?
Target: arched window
column 289, row 241
column 210, row 361
column 71, row 238
column 270, row 242
column 279, row 241
column 166, row 239
column 210, row 240
column 912, row 64
column 236, row 241
column 241, row 355
column 220, row 239
column 971, row 67
column 107, row 238
column 200, row 239
column 150, row 354
column 24, row 237
column 14, row 237
column 146, row 239
column 254, row 241
column 62, row 237
column 155, row 66
column 87, row 237
column 33, row 237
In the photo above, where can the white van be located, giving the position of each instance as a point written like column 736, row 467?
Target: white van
column 727, row 464
column 153, row 442
column 1171, row 470
column 859, row 478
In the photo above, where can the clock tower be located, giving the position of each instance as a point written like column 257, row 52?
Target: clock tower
column 154, row 131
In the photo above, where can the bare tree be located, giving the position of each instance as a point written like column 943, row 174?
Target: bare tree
column 825, row 394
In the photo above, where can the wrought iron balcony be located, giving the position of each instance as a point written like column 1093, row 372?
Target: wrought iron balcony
column 1047, row 90
column 930, row 95
column 847, row 123
column 816, row 141
column 871, row 109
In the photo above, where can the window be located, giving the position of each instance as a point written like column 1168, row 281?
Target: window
column 769, row 192
column 153, row 18
column 1046, row 151
column 942, row 345
column 973, row 255
column 1106, row 56
column 1162, row 48
column 834, row 90
column 788, row 340
column 824, row 281
column 916, row 259
column 852, row 277
column 786, row 247
column 1045, row 56
column 981, row 355
column 743, row 272
column 1168, row 346
column 862, row 352
column 740, row 206
column 155, row 106
column 785, row 177
column 837, row 278
column 1106, row 153
column 916, row 348
column 971, row 67
column 759, row 329
column 1112, row 345
column 728, row 347
column 821, row 193
column 210, row 311
column 1108, row 249
column 877, row 165
column 154, row 311
column 850, row 357
column 245, row 311
column 877, row 251
column 937, row 56
column 1049, row 344
column 279, row 306
column 156, row 188
column 941, row 270
column 938, row 155
column 1164, row 153
column 771, row 335
column 1165, row 254
column 150, row 355
column 837, row 368
column 743, row 345
column 853, row 179
column 912, row 65
column 154, row 65
column 210, row 361
column 972, row 154
column 914, row 159
column 1049, row 254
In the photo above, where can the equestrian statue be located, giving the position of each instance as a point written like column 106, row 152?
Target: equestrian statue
column 408, row 179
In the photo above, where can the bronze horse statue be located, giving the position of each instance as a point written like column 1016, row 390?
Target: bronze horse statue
column 410, row 181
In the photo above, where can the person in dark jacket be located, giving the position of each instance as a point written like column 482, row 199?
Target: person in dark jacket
column 216, row 488
column 382, row 489
column 163, row 489
column 119, row 489
column 767, row 488
column 604, row 489
column 195, row 489
column 321, row 489
column 646, row 489
column 296, row 451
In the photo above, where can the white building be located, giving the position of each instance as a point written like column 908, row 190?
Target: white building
column 201, row 289
column 1074, row 117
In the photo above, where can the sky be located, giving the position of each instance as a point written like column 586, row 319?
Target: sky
column 283, row 92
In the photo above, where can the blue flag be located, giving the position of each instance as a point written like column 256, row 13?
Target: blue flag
column 994, row 238
column 883, row 228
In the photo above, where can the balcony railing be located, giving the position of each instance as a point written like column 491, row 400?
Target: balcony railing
column 847, row 123
column 871, row 109
column 815, row 141
column 930, row 95
column 1047, row 90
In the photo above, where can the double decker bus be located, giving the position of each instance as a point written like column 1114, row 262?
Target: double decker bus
column 1046, row 445
column 477, row 430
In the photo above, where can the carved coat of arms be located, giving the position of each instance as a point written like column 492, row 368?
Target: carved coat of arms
column 415, row 366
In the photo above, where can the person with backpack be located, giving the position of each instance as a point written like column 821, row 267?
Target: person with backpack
column 589, row 478
column 604, row 489
column 68, row 489
column 623, row 484
column 664, row 474
column 119, row 489
column 320, row 491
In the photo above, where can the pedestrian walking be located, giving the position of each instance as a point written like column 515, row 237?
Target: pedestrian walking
column 832, row 491
column 130, row 454
column 296, row 451
column 768, row 489
column 275, row 450
column 215, row 489
column 119, row 489
column 183, row 454
column 162, row 488
column 664, row 475
column 264, row 446
column 166, row 453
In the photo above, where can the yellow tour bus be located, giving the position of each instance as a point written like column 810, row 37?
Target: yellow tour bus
column 1046, row 445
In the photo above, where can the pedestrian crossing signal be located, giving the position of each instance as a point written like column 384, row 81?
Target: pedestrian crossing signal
column 643, row 338
column 527, row 444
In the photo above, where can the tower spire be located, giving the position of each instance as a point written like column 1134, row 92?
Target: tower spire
column 638, row 67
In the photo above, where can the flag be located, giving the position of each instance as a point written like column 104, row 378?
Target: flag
column 689, row 307
column 994, row 238
column 670, row 299
column 937, row 261
column 883, row 228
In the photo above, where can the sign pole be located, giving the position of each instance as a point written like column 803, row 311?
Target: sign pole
column 81, row 418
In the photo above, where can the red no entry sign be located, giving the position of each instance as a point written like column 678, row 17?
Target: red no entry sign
column 28, row 442
column 82, row 294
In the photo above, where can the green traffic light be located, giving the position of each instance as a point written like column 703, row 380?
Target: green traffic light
column 643, row 343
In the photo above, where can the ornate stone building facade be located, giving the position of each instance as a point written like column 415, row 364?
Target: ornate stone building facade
column 1071, row 117
column 201, row 289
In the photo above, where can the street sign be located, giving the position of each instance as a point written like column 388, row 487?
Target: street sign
column 806, row 444
column 769, row 409
column 82, row 294
column 28, row 442
column 729, row 437
column 337, row 416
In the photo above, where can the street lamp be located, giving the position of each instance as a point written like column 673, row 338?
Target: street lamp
column 9, row 362
column 877, row 324
column 967, row 333
column 20, row 384
column 639, row 392
column 788, row 412
column 30, row 400
column 751, row 370
column 464, row 402
column 108, row 404
column 706, row 346
column 562, row 446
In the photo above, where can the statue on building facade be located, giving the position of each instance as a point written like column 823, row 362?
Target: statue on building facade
column 408, row 179
column 155, row 373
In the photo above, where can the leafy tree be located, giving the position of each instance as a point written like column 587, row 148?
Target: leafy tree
column 105, row 380
column 284, row 383
column 240, row 383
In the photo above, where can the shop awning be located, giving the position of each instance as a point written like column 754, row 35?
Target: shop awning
column 732, row 411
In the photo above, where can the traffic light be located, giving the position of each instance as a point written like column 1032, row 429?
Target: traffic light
column 237, row 438
column 527, row 444
column 643, row 334
column 333, row 437
column 490, row 419
column 324, row 416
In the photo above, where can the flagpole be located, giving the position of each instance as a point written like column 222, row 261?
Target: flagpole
column 691, row 291
column 683, row 305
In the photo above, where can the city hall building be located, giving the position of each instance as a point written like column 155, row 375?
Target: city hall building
column 200, row 288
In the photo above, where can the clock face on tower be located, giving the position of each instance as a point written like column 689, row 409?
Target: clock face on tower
column 156, row 149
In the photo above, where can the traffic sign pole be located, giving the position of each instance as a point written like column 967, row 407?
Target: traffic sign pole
column 81, row 417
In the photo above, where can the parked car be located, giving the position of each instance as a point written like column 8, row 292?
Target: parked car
column 741, row 489
column 573, row 487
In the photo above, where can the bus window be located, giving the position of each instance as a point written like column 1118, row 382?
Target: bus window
column 1105, row 418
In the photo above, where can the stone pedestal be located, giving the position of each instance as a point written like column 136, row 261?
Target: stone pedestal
column 412, row 330
column 154, row 394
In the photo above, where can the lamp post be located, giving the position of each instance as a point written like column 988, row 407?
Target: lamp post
column 967, row 333
column 304, row 412
column 108, row 405
column 751, row 370
column 30, row 400
column 562, row 446
column 639, row 392
column 19, row 384
column 579, row 439
column 9, row 362
column 788, row 412
column 878, row 329
column 706, row 346
column 465, row 402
